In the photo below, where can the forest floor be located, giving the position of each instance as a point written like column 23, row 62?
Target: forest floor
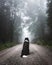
column 39, row 55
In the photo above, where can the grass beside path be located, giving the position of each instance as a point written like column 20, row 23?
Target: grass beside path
column 7, row 45
column 45, row 43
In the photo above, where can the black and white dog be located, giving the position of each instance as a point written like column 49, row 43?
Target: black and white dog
column 25, row 50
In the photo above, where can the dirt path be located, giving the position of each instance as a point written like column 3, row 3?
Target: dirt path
column 39, row 55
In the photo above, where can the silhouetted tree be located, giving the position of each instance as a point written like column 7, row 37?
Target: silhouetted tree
column 49, row 12
column 6, row 23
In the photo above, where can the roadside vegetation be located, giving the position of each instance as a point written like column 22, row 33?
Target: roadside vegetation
column 7, row 45
column 45, row 43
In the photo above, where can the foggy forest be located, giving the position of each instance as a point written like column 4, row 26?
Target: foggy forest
column 25, row 18
column 19, row 19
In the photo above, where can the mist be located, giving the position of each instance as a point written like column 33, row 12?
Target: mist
column 24, row 18
column 33, row 15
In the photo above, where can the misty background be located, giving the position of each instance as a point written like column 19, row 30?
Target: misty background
column 25, row 18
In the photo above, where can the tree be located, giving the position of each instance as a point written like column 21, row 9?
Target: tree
column 49, row 12
column 6, row 23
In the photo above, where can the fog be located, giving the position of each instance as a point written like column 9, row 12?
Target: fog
column 28, row 16
column 30, row 12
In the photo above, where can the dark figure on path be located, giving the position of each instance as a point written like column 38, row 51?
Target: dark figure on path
column 25, row 50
